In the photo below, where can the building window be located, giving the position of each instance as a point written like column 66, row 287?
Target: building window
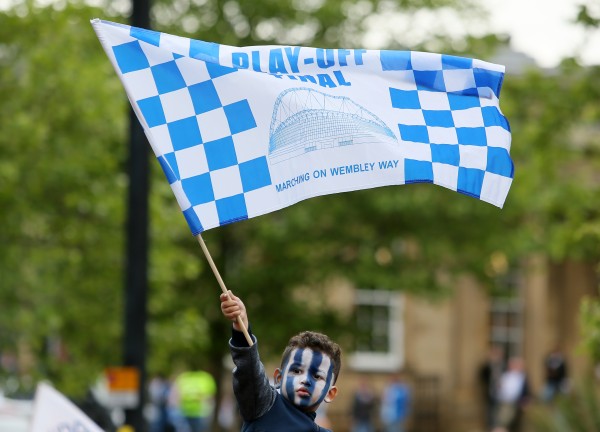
column 379, row 335
column 507, row 327
column 507, row 316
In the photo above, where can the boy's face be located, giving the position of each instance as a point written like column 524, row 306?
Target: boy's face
column 306, row 379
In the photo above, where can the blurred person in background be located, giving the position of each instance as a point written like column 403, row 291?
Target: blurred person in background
column 158, row 392
column 363, row 407
column 192, row 397
column 555, row 366
column 489, row 377
column 395, row 404
column 227, row 412
column 513, row 396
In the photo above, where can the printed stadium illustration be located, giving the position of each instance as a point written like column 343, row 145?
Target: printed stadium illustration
column 306, row 120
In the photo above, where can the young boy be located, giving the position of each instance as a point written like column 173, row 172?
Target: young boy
column 310, row 366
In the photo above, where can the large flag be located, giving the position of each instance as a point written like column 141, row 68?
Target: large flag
column 53, row 412
column 240, row 132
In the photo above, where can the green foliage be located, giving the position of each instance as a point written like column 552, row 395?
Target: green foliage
column 331, row 23
column 590, row 327
column 64, row 123
column 64, row 118
column 577, row 412
column 62, row 149
column 556, row 158
column 587, row 17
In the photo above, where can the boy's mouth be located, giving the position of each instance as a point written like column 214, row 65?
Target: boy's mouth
column 302, row 392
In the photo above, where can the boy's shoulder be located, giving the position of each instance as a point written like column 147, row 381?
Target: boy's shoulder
column 284, row 415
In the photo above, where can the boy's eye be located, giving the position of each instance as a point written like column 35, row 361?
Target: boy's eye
column 296, row 370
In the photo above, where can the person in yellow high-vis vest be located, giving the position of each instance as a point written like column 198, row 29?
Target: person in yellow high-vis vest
column 194, row 395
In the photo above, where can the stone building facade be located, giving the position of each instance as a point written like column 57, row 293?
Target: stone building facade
column 442, row 344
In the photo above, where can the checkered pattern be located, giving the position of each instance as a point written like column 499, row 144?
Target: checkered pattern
column 446, row 110
column 447, row 114
column 177, row 97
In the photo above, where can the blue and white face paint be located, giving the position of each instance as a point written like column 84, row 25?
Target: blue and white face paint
column 306, row 377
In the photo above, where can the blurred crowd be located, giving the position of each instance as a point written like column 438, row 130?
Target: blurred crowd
column 185, row 403
column 388, row 411
column 506, row 390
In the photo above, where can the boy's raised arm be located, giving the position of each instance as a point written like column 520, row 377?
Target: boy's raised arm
column 251, row 386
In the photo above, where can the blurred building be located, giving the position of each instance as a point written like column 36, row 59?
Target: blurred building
column 441, row 345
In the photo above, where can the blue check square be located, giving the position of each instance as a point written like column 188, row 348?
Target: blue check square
column 430, row 80
column 167, row 77
column 172, row 161
column 169, row 172
column 395, row 60
column 185, row 133
column 239, row 116
column 445, row 153
column 216, row 70
column 204, row 97
column 193, row 221
column 439, row 118
column 130, row 57
column 152, row 110
column 460, row 101
column 255, row 174
column 454, row 62
column 198, row 189
column 470, row 181
column 220, row 153
column 493, row 117
column 471, row 136
column 232, row 209
column 488, row 78
column 499, row 162
column 148, row 36
column 416, row 171
column 405, row 99
column 414, row 133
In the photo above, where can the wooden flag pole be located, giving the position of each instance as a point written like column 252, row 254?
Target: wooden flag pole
column 222, row 285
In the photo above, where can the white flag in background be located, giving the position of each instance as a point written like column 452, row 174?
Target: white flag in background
column 53, row 412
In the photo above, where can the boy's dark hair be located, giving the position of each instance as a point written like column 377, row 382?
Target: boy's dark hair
column 316, row 342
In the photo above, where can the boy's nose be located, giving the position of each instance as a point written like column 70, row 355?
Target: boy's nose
column 306, row 380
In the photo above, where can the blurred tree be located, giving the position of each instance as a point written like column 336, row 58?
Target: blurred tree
column 555, row 118
column 590, row 325
column 62, row 191
column 61, row 175
column 61, row 194
column 62, row 185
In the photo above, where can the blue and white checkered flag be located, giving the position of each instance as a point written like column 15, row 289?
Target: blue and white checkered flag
column 241, row 132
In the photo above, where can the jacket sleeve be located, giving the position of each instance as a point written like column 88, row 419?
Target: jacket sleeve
column 254, row 393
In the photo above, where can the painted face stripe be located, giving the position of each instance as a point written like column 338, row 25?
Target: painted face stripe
column 310, row 363
column 317, row 358
column 308, row 360
column 321, row 390
column 296, row 358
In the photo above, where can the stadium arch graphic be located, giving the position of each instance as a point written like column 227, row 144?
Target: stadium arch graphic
column 306, row 120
